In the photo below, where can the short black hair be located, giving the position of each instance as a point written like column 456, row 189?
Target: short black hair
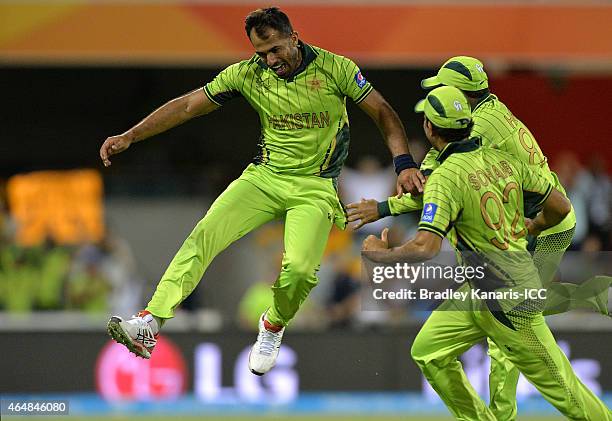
column 451, row 135
column 268, row 18
column 477, row 94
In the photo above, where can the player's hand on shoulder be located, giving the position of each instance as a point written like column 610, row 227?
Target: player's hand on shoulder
column 363, row 212
column 112, row 146
column 412, row 181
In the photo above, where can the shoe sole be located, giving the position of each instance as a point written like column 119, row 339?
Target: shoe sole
column 120, row 336
column 257, row 373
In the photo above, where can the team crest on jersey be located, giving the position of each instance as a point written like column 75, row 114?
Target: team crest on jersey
column 429, row 212
column 360, row 80
column 314, row 84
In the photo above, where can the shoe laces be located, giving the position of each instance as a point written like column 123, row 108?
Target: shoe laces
column 144, row 333
column 269, row 341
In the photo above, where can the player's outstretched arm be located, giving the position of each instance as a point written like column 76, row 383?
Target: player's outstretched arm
column 555, row 209
column 409, row 179
column 369, row 210
column 169, row 115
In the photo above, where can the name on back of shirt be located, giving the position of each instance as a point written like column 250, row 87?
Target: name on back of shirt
column 489, row 175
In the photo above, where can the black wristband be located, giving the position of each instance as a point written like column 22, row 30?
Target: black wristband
column 383, row 209
column 403, row 162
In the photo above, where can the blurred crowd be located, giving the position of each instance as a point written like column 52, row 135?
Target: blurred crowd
column 91, row 277
column 103, row 277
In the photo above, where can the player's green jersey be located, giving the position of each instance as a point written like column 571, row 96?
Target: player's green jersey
column 480, row 193
column 497, row 128
column 304, row 123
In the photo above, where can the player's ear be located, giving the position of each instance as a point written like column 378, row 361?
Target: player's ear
column 295, row 38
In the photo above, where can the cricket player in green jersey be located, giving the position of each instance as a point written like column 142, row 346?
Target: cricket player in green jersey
column 299, row 92
column 497, row 127
column 480, row 192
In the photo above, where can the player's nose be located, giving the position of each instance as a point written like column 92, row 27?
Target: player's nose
column 271, row 60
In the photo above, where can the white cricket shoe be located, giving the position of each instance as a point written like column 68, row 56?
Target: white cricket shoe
column 262, row 357
column 136, row 334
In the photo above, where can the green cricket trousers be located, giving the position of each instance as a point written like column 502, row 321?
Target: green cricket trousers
column 592, row 295
column 526, row 342
column 309, row 205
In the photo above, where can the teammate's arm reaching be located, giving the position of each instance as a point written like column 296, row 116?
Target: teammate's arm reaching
column 169, row 115
column 424, row 246
column 369, row 210
column 409, row 180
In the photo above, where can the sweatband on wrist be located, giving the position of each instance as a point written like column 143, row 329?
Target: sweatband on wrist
column 403, row 162
column 383, row 209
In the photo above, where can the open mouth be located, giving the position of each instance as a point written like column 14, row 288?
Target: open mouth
column 280, row 69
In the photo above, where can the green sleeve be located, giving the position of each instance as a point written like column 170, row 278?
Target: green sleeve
column 224, row 86
column 350, row 80
column 406, row 203
column 440, row 208
column 536, row 188
column 430, row 162
column 484, row 130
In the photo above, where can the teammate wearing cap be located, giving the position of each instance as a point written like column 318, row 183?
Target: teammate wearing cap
column 497, row 128
column 487, row 214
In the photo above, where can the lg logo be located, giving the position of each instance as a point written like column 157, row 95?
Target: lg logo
column 123, row 376
column 280, row 385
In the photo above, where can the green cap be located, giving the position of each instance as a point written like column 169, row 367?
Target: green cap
column 465, row 73
column 446, row 107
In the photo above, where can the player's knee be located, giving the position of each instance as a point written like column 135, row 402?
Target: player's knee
column 200, row 229
column 205, row 232
column 578, row 413
column 418, row 352
column 300, row 270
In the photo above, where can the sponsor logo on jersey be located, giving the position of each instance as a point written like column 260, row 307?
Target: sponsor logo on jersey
column 458, row 106
column 360, row 80
column 429, row 212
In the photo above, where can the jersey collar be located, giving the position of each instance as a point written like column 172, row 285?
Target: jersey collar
column 487, row 98
column 308, row 56
column 466, row 145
